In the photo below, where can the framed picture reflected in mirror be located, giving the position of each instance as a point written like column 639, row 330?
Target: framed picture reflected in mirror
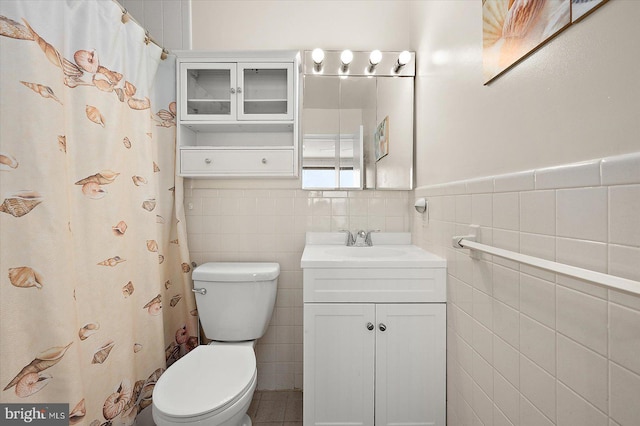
column 381, row 139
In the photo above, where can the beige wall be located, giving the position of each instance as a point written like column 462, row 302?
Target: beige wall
column 525, row 346
column 300, row 25
column 575, row 99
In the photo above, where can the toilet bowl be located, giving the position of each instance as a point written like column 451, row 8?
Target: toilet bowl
column 213, row 384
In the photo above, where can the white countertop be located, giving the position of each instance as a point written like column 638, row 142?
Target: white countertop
column 389, row 250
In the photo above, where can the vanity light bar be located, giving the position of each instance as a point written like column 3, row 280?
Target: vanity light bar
column 359, row 63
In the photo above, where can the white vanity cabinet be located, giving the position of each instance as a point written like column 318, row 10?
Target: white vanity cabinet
column 374, row 364
column 374, row 333
column 237, row 114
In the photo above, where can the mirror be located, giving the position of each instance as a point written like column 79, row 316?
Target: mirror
column 357, row 131
column 336, row 114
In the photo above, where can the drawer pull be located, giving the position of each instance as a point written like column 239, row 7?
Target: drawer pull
column 370, row 326
column 382, row 327
column 207, row 160
column 264, row 161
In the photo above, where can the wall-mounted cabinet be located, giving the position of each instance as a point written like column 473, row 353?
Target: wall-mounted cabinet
column 237, row 114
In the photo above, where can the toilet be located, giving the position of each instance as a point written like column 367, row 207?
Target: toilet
column 213, row 384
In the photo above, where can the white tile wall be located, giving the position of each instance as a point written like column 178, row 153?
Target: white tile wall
column 269, row 225
column 168, row 21
column 527, row 346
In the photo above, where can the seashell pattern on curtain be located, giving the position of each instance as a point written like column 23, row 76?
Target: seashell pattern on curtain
column 95, row 297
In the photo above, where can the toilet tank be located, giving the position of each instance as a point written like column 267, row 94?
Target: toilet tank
column 238, row 298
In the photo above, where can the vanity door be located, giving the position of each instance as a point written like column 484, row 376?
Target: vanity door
column 339, row 350
column 410, row 364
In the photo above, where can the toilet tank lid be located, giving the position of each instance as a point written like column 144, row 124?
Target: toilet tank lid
column 236, row 271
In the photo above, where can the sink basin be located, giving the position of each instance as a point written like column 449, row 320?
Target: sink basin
column 328, row 250
column 372, row 252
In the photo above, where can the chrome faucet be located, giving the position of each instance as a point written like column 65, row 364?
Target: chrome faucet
column 363, row 238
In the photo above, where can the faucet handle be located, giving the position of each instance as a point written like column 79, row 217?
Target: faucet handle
column 350, row 238
column 368, row 240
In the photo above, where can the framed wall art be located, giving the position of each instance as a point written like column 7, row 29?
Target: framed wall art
column 512, row 29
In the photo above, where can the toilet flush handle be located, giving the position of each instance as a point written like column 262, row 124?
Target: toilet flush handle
column 201, row 291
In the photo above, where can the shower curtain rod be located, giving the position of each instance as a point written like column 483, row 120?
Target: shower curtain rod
column 606, row 280
column 127, row 16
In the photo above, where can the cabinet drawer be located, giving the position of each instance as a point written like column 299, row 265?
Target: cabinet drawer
column 237, row 162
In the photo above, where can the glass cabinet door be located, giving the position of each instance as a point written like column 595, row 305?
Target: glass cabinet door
column 208, row 91
column 265, row 91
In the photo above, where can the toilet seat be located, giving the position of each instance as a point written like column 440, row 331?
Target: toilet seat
column 206, row 381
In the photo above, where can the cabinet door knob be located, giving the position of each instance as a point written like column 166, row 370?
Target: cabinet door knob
column 233, row 91
column 370, row 326
column 264, row 161
column 207, row 160
column 382, row 327
column 239, row 89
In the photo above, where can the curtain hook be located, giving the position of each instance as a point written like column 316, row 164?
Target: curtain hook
column 147, row 37
column 164, row 54
column 125, row 16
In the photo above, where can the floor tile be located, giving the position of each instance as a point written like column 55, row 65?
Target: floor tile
column 276, row 408
column 275, row 396
column 271, row 410
column 293, row 411
column 253, row 407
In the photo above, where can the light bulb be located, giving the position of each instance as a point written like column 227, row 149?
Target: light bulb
column 375, row 57
column 404, row 57
column 346, row 57
column 317, row 55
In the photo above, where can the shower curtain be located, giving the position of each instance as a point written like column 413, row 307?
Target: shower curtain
column 95, row 296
